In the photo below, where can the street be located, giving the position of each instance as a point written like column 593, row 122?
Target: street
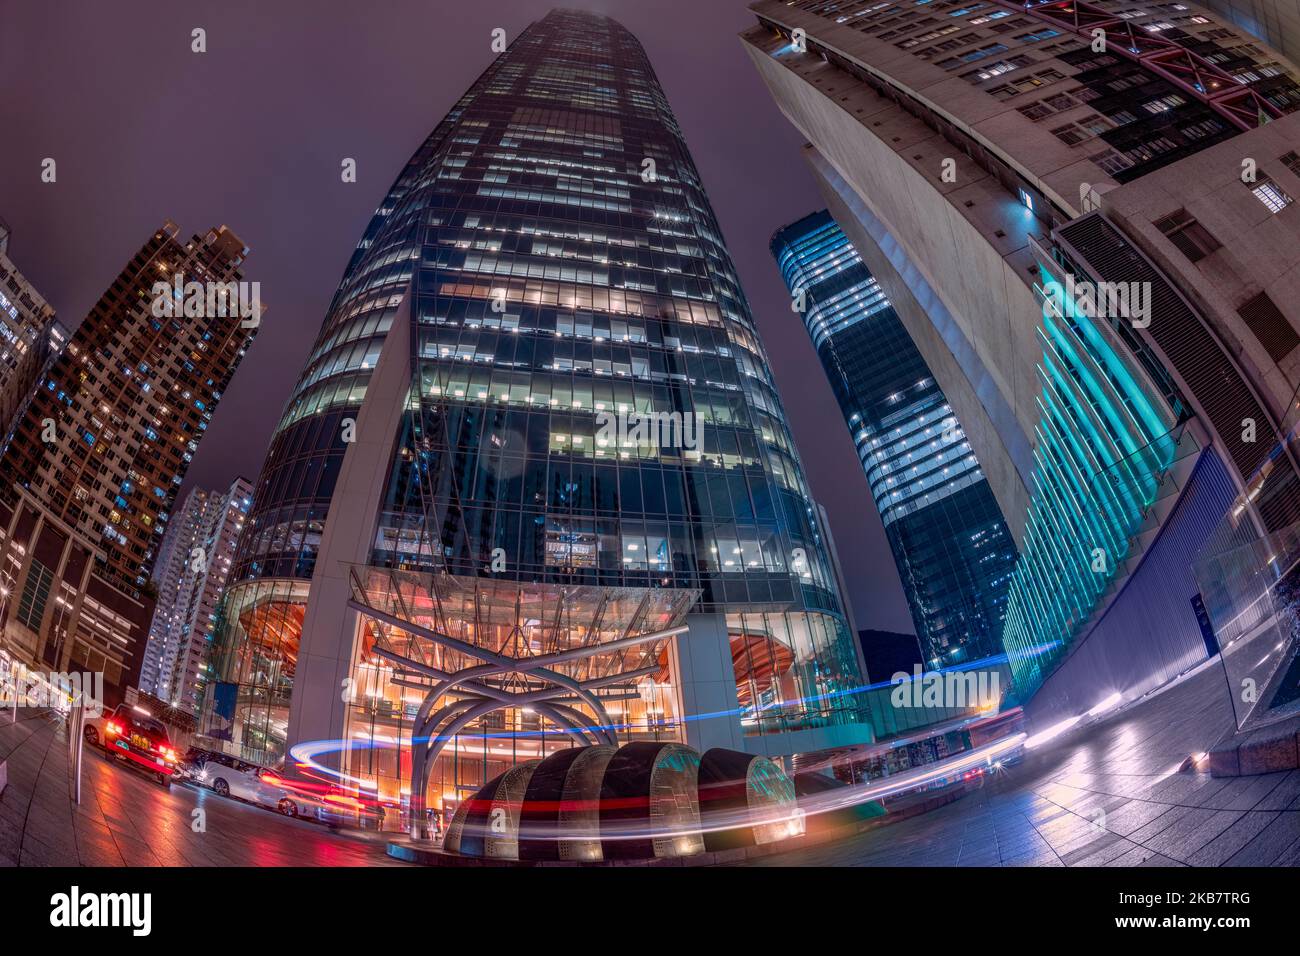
column 127, row 819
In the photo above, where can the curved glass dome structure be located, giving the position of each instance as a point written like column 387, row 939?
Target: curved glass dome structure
column 585, row 404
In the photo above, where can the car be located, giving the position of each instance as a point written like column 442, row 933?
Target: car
column 133, row 735
column 192, row 763
column 189, row 765
column 229, row 776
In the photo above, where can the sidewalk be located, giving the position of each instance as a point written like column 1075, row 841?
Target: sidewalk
column 1111, row 794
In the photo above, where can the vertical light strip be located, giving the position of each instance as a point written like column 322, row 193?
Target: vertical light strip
column 1105, row 441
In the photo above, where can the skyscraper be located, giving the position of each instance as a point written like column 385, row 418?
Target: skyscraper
column 89, row 475
column 193, row 566
column 1083, row 214
column 32, row 336
column 536, row 441
column 953, row 550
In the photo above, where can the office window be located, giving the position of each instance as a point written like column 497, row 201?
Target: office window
column 1070, row 134
column 1094, row 124
column 1036, row 36
column 1270, row 194
column 36, row 591
column 1111, row 161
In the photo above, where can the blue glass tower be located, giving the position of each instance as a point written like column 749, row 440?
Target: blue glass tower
column 953, row 550
column 467, row 456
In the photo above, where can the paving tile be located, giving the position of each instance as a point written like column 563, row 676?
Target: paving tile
column 1272, row 842
column 1283, row 795
column 1134, row 815
column 1243, row 793
column 1107, row 852
column 1195, row 829
column 1098, row 842
column 1290, row 856
column 1134, row 857
column 1046, row 858
column 1158, row 823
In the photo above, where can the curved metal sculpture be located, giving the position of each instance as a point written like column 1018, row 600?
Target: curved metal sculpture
column 737, row 785
column 561, row 812
column 490, row 826
column 649, row 802
column 646, row 800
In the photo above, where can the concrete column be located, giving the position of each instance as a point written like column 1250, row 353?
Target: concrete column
column 706, row 681
column 316, row 709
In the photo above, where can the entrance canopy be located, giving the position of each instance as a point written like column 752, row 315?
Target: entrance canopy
column 476, row 646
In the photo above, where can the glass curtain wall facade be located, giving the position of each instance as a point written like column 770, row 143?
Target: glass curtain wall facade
column 590, row 407
column 954, row 553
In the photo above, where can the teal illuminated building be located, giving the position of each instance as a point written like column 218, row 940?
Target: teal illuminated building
column 1105, row 444
column 987, row 159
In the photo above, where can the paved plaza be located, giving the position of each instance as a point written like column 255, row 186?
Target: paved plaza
column 1110, row 794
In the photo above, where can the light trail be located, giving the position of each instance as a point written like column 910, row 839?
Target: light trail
column 307, row 751
column 787, row 814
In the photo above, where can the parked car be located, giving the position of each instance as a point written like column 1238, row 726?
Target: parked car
column 132, row 735
column 228, row 776
column 192, row 762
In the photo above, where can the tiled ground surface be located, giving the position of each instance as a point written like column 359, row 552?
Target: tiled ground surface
column 126, row 819
column 1108, row 795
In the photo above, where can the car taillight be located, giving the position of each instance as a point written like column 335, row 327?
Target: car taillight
column 114, row 728
column 272, row 780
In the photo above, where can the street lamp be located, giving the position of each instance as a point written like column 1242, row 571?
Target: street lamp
column 59, row 632
column 4, row 608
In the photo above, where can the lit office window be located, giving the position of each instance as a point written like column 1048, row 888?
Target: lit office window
column 1271, row 195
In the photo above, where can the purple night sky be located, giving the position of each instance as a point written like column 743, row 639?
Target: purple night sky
column 251, row 134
